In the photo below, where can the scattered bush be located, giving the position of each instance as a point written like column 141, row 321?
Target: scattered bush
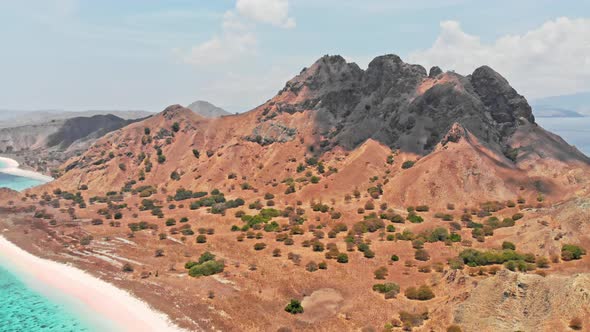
column 422, row 293
column 408, row 164
column 294, row 307
column 414, row 218
column 342, row 258
column 570, row 252
column 381, row 273
column 206, row 268
column 421, row 255
column 259, row 246
column 390, row 289
column 508, row 245
column 411, row 320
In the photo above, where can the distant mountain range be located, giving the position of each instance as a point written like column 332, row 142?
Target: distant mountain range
column 17, row 118
column 574, row 105
column 207, row 109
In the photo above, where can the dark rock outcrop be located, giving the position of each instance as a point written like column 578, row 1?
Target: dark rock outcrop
column 85, row 128
column 434, row 72
column 387, row 103
column 503, row 102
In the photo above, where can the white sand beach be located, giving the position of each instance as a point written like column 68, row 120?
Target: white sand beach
column 124, row 311
column 11, row 167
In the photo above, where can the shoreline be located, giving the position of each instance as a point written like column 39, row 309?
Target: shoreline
column 12, row 168
column 125, row 311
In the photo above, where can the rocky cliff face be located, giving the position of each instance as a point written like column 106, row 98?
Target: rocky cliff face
column 402, row 106
column 85, row 128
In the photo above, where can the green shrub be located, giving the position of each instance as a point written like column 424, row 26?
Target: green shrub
column 508, row 245
column 414, row 218
column 454, row 237
column 206, row 269
column 205, row 257
column 386, row 287
column 294, row 307
column 342, row 258
column 570, row 252
column 473, row 257
column 259, row 246
column 422, row 293
column 201, row 238
column 408, row 164
column 175, row 176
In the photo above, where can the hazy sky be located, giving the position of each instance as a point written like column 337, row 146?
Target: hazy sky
column 147, row 54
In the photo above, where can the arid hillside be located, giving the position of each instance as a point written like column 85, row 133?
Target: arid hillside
column 44, row 146
column 475, row 129
column 385, row 199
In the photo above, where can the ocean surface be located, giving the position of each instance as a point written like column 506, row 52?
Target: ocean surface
column 26, row 305
column 25, row 309
column 16, row 182
column 576, row 131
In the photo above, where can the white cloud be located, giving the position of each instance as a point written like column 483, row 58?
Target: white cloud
column 235, row 41
column 275, row 12
column 551, row 59
column 237, row 38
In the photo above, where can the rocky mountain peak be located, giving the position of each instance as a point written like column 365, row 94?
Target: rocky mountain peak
column 206, row 109
column 501, row 100
column 176, row 111
column 329, row 73
column 434, row 72
column 394, row 103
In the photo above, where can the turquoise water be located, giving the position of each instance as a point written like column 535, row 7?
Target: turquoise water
column 28, row 306
column 24, row 309
column 17, row 183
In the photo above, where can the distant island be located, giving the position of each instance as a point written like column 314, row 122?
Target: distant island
column 564, row 106
column 546, row 111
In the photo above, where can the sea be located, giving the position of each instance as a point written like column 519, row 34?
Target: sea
column 16, row 182
column 23, row 308
column 576, row 131
column 24, row 304
column 26, row 307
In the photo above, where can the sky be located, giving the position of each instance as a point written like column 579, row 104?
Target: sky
column 236, row 54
